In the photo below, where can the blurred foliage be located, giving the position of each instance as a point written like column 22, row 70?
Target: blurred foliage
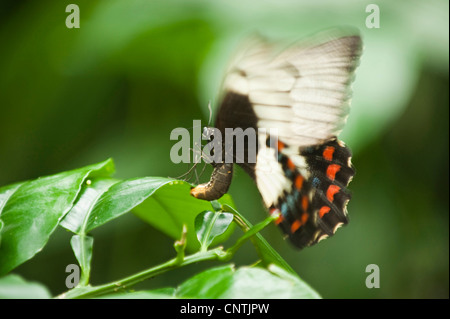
column 135, row 70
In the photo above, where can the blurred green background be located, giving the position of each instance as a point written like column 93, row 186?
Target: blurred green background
column 135, row 70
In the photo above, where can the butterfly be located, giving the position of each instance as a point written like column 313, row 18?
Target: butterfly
column 304, row 93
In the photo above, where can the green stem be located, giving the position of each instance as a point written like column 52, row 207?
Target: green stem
column 85, row 273
column 249, row 232
column 180, row 245
column 210, row 226
column 267, row 254
column 82, row 248
column 89, row 292
column 179, row 261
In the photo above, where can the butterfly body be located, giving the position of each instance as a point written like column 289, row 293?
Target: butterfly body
column 218, row 184
column 303, row 170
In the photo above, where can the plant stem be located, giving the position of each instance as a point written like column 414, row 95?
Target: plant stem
column 85, row 268
column 180, row 245
column 88, row 292
column 267, row 254
column 249, row 232
column 179, row 261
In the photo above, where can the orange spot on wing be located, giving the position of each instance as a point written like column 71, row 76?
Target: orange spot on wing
column 324, row 210
column 299, row 182
column 279, row 220
column 280, row 145
column 331, row 191
column 298, row 223
column 328, row 153
column 290, row 164
column 305, row 203
column 305, row 218
column 295, row 225
column 332, row 169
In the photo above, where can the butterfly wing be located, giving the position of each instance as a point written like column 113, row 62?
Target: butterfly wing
column 304, row 93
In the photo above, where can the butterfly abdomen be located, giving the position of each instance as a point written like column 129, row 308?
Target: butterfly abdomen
column 218, row 184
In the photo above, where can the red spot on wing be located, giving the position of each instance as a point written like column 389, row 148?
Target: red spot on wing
column 324, row 210
column 305, row 203
column 331, row 191
column 298, row 223
column 332, row 169
column 295, row 225
column 279, row 220
column 280, row 145
column 290, row 164
column 299, row 182
column 328, row 153
column 305, row 218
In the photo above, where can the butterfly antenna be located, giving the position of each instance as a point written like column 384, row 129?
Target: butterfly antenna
column 187, row 173
column 193, row 170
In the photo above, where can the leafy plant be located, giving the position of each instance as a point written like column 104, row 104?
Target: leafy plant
column 84, row 199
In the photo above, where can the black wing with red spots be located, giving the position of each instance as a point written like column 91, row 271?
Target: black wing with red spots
column 316, row 205
column 331, row 172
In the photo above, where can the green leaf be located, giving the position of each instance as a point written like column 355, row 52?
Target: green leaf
column 32, row 210
column 216, row 205
column 122, row 197
column 106, row 199
column 82, row 247
column 162, row 202
column 246, row 282
column 208, row 284
column 209, row 225
column 260, row 283
column 101, row 201
column 77, row 219
column 6, row 192
column 1, row 228
column 171, row 206
column 15, row 287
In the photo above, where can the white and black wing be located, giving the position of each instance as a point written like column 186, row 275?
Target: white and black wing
column 304, row 91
